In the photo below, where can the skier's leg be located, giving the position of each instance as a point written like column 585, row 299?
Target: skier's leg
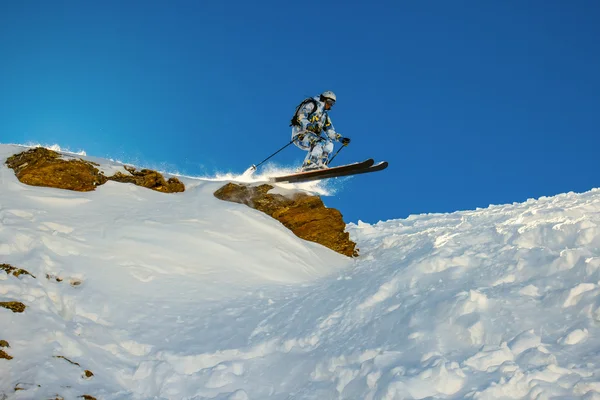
column 317, row 151
column 313, row 145
column 314, row 158
column 304, row 140
column 301, row 138
column 311, row 160
column 327, row 148
column 307, row 160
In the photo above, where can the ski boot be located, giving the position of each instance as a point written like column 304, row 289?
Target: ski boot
column 311, row 164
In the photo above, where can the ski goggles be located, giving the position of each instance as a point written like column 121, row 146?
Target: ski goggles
column 331, row 102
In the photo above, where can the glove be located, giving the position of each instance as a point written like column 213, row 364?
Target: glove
column 345, row 141
column 300, row 137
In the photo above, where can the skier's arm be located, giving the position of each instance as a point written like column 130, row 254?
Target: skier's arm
column 333, row 135
column 330, row 130
column 303, row 115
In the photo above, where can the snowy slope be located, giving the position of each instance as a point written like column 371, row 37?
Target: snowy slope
column 183, row 296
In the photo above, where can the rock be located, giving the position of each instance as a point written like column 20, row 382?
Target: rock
column 14, row 306
column 149, row 179
column 4, row 355
column 10, row 270
column 66, row 359
column 43, row 167
column 53, row 278
column 303, row 214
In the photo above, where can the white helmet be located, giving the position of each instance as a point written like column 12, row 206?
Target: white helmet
column 328, row 95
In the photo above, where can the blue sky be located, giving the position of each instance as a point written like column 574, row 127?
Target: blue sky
column 472, row 103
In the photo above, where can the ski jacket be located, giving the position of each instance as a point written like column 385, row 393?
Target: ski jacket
column 315, row 120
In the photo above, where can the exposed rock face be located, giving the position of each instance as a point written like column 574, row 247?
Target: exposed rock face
column 10, row 270
column 5, row 355
column 149, row 179
column 303, row 214
column 14, row 306
column 43, row 167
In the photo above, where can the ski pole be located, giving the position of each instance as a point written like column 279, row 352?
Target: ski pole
column 253, row 167
column 336, row 153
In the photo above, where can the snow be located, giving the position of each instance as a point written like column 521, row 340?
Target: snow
column 184, row 296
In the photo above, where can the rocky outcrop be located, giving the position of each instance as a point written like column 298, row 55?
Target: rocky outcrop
column 149, row 179
column 42, row 167
column 87, row 374
column 4, row 355
column 303, row 214
column 10, row 270
column 14, row 306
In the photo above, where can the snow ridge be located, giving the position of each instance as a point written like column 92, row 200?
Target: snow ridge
column 187, row 297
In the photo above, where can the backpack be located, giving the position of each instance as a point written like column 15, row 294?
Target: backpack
column 295, row 121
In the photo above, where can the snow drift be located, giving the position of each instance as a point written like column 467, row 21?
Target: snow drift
column 184, row 296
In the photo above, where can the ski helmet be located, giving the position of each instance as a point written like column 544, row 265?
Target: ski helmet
column 328, row 95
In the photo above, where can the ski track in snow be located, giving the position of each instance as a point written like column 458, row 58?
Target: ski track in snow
column 187, row 297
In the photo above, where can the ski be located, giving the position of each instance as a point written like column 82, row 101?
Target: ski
column 334, row 172
column 319, row 172
column 374, row 168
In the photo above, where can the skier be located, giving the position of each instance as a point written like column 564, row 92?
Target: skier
column 310, row 121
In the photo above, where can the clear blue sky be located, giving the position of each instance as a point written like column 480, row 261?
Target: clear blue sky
column 472, row 103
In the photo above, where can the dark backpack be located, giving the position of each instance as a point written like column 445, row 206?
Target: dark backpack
column 295, row 121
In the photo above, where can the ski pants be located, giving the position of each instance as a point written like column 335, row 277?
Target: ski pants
column 318, row 147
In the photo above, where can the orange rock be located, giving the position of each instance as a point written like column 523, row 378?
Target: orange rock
column 149, row 179
column 303, row 214
column 14, row 306
column 43, row 167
